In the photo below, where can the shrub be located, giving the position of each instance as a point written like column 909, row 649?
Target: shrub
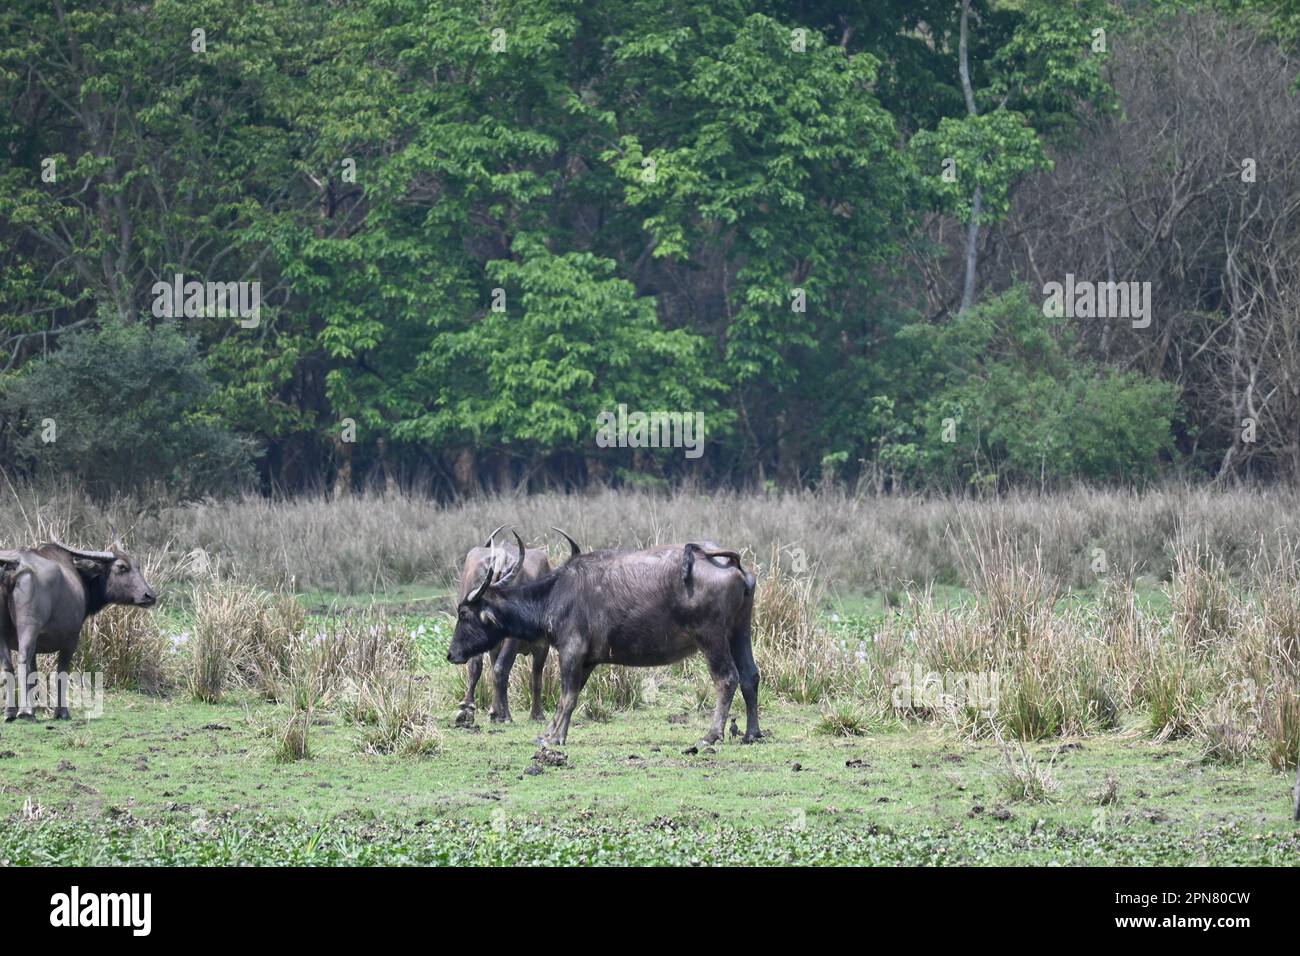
column 797, row 657
column 128, row 401
column 394, row 715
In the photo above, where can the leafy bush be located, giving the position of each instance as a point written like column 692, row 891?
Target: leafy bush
column 1025, row 409
column 121, row 407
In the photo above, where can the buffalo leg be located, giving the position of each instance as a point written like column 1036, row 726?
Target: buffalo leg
column 10, row 683
column 473, row 670
column 742, row 652
column 725, row 678
column 539, row 665
column 573, row 677
column 505, row 659
column 27, row 674
column 1298, row 794
column 62, row 677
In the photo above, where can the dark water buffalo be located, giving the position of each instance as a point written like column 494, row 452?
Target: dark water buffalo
column 639, row 608
column 502, row 656
column 46, row 595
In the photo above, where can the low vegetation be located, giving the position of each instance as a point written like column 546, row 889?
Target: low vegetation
column 853, row 543
column 1017, row 662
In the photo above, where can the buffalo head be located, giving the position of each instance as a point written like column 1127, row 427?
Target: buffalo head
column 116, row 572
column 478, row 624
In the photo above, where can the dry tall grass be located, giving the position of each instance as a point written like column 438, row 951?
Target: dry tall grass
column 1221, row 664
column 369, row 542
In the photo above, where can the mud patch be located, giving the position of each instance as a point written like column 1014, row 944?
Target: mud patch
column 551, row 758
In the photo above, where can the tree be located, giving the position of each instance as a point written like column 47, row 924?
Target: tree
column 123, row 406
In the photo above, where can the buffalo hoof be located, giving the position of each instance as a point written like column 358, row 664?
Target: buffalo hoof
column 539, row 717
column 465, row 718
column 61, row 713
column 500, row 719
column 31, row 717
column 752, row 738
column 10, row 714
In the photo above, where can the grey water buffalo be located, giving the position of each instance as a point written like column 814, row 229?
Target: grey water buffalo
column 502, row 656
column 46, row 595
column 638, row 608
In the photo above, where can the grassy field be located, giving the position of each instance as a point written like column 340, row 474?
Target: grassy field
column 289, row 700
column 170, row 780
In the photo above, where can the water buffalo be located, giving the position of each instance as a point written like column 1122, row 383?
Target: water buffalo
column 46, row 595
column 502, row 656
column 638, row 608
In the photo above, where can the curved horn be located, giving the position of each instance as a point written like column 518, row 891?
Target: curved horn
column 488, row 542
column 519, row 562
column 478, row 591
column 574, row 548
column 81, row 553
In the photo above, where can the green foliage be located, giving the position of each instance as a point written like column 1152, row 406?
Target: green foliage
column 989, row 152
column 478, row 227
column 1025, row 409
column 578, row 341
column 120, row 407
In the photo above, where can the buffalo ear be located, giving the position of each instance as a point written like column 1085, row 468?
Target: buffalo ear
column 90, row 567
column 488, row 617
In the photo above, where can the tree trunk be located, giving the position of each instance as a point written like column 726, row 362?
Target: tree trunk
column 390, row 480
column 463, row 471
column 977, row 201
column 343, row 467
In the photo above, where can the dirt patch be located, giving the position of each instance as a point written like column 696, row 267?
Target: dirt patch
column 551, row 758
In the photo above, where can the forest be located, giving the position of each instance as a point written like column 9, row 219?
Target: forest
column 293, row 246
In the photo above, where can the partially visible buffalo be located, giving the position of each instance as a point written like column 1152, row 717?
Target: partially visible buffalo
column 639, row 608
column 46, row 595
column 502, row 656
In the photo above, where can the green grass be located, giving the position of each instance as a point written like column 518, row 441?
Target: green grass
column 168, row 780
column 154, row 781
column 410, row 597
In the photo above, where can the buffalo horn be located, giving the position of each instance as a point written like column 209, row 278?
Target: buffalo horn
column 574, row 550
column 92, row 555
column 519, row 562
